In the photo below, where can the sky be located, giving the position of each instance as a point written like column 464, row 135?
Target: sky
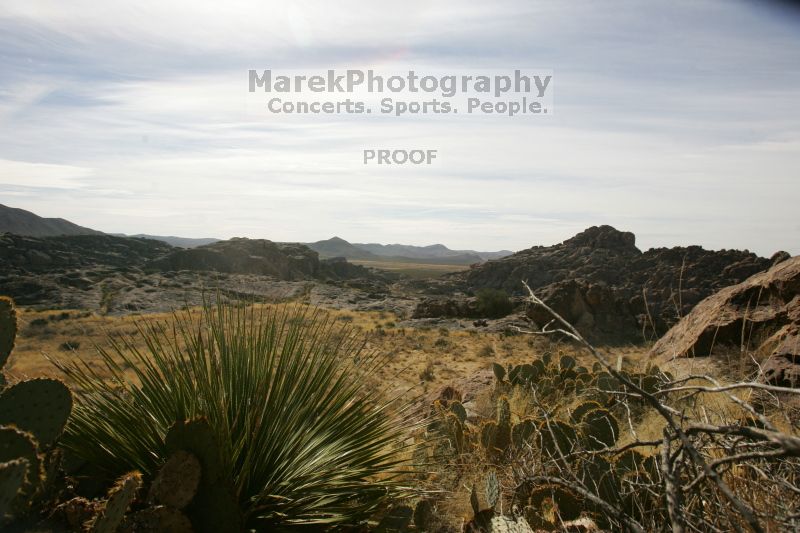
column 676, row 120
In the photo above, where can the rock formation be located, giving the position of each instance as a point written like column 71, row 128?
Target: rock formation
column 613, row 291
column 760, row 315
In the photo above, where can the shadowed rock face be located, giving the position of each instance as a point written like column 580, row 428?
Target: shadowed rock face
column 763, row 312
column 614, row 292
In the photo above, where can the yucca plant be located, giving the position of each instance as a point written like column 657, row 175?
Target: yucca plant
column 305, row 441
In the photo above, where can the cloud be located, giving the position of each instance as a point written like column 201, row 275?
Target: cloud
column 135, row 118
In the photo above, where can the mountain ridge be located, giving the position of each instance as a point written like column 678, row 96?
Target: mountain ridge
column 21, row 222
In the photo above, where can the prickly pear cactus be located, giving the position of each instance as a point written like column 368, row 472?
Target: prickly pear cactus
column 488, row 436
column 8, row 328
column 548, row 505
column 214, row 507
column 579, row 411
column 40, row 406
column 599, row 429
column 459, row 410
column 119, row 499
column 522, row 433
column 567, row 362
column 12, row 477
column 503, row 435
column 456, row 432
column 16, row 444
column 499, row 372
column 558, row 438
column 176, row 483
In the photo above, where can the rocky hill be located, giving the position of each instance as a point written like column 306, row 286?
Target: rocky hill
column 21, row 222
column 32, row 255
column 338, row 247
column 611, row 290
column 89, row 271
column 283, row 261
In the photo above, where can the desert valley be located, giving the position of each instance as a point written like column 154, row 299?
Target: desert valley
column 494, row 390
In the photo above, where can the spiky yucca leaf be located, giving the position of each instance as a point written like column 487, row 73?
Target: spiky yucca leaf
column 301, row 439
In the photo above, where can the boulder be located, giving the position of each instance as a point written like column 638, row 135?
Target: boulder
column 599, row 312
column 761, row 314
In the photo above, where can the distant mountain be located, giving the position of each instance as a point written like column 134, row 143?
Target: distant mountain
column 180, row 242
column 435, row 254
column 433, row 251
column 21, row 222
column 338, row 247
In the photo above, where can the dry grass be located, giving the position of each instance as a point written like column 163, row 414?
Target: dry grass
column 412, row 270
column 442, row 357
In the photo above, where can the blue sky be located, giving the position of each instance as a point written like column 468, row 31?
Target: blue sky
column 676, row 120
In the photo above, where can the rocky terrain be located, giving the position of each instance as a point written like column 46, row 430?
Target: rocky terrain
column 118, row 274
column 760, row 315
column 600, row 281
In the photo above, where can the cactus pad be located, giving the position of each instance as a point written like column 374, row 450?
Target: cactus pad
column 522, row 433
column 582, row 409
column 547, row 505
column 214, row 507
column 458, row 409
column 16, row 444
column 567, row 362
column 456, row 432
column 119, row 499
column 12, row 477
column 40, row 406
column 499, row 371
column 599, row 429
column 177, row 481
column 557, row 438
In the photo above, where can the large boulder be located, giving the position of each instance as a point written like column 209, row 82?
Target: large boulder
column 761, row 315
column 599, row 312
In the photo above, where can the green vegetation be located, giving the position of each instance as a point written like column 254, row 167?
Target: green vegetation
column 296, row 437
column 493, row 303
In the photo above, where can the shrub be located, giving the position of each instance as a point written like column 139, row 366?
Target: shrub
column 303, row 441
column 494, row 303
column 68, row 346
column 487, row 350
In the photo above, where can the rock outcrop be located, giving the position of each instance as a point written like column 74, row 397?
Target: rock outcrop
column 613, row 291
column 761, row 315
